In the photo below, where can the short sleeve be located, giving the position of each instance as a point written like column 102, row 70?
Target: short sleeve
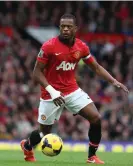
column 43, row 54
column 87, row 57
column 85, row 50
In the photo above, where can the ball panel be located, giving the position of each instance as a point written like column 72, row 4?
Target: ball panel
column 46, row 144
column 58, row 151
column 48, row 152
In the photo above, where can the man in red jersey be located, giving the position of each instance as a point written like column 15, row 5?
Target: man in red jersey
column 55, row 72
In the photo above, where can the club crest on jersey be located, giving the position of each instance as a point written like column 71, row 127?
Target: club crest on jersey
column 76, row 54
column 40, row 54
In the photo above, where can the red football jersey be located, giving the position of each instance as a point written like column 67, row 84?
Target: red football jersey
column 61, row 62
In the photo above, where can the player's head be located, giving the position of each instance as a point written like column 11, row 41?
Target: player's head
column 68, row 26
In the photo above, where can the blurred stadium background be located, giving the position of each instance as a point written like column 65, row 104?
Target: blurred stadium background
column 107, row 28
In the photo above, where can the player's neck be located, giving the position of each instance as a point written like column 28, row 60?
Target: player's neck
column 68, row 42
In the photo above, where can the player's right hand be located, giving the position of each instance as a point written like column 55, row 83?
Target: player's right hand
column 58, row 98
column 59, row 101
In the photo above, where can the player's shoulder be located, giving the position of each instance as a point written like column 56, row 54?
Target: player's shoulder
column 83, row 47
column 81, row 43
column 50, row 43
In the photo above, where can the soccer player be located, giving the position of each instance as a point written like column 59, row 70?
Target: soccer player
column 55, row 72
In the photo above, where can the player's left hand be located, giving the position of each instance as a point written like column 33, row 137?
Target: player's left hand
column 120, row 85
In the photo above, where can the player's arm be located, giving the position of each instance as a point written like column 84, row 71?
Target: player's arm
column 39, row 77
column 99, row 70
column 38, row 74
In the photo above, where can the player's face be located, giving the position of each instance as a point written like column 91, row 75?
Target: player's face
column 67, row 28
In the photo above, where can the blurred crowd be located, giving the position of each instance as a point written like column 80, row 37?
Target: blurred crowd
column 93, row 16
column 19, row 95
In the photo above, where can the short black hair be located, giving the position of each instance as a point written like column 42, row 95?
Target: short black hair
column 69, row 16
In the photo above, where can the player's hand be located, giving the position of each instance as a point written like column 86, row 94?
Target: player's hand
column 120, row 85
column 56, row 95
column 59, row 100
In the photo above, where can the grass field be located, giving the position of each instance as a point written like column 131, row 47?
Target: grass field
column 15, row 158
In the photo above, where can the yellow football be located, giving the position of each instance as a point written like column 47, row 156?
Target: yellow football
column 51, row 145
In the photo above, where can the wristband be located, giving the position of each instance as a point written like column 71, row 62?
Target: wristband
column 50, row 89
column 53, row 93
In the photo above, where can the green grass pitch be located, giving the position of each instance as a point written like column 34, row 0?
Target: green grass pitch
column 15, row 158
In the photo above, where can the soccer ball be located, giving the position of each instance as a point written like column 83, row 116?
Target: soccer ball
column 51, row 145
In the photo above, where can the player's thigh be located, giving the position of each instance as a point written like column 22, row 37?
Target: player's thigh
column 78, row 101
column 48, row 112
column 90, row 113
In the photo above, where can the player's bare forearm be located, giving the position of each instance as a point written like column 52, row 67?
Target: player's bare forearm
column 104, row 74
column 38, row 74
column 99, row 70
